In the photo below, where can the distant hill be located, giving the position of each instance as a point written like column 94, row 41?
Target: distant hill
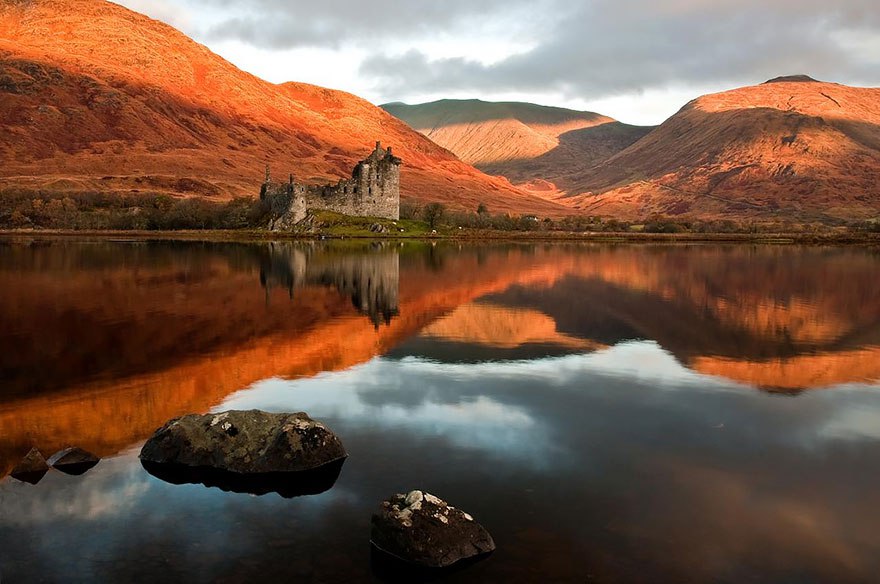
column 535, row 146
column 792, row 148
column 97, row 98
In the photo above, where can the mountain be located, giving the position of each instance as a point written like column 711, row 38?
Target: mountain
column 537, row 147
column 97, row 98
column 792, row 148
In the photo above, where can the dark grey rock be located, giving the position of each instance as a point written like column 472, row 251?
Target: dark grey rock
column 245, row 442
column 32, row 468
column 424, row 530
column 73, row 461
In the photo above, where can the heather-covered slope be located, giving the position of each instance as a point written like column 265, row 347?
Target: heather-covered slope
column 534, row 146
column 792, row 148
column 95, row 97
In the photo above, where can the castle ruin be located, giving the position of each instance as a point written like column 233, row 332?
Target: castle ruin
column 372, row 191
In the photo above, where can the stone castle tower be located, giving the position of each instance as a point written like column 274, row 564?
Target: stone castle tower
column 372, row 191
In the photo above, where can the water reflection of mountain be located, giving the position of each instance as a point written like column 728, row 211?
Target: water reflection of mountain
column 103, row 342
column 488, row 331
column 772, row 352
column 100, row 343
column 774, row 318
column 371, row 280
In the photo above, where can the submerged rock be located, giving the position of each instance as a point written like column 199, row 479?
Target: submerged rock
column 424, row 530
column 73, row 461
column 32, row 468
column 244, row 442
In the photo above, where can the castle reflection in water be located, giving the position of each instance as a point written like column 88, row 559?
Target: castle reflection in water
column 372, row 281
column 145, row 331
column 714, row 407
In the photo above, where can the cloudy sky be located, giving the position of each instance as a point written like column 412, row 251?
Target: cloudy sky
column 636, row 60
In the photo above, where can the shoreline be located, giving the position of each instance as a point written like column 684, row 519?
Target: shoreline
column 863, row 239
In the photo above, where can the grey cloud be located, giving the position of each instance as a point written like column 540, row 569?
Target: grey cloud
column 277, row 24
column 590, row 49
column 610, row 48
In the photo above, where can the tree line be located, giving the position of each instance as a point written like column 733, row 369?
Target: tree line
column 21, row 209
column 108, row 211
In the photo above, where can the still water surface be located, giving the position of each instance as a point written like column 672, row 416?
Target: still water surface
column 609, row 413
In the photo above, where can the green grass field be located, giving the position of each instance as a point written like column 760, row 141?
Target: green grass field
column 337, row 225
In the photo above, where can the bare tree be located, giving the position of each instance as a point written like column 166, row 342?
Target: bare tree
column 433, row 213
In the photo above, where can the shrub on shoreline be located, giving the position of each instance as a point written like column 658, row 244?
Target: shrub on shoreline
column 97, row 211
column 102, row 211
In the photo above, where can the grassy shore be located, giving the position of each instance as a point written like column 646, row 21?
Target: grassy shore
column 468, row 235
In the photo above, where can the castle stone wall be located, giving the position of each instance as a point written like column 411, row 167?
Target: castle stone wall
column 372, row 191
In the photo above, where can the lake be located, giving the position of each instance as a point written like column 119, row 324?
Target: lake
column 610, row 413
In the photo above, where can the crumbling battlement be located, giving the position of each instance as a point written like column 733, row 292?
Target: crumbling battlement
column 372, row 191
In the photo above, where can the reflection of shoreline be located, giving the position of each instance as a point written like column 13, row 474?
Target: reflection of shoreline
column 140, row 318
column 106, row 416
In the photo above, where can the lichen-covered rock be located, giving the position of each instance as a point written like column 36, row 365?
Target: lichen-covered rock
column 32, row 468
column 422, row 529
column 245, row 442
column 73, row 461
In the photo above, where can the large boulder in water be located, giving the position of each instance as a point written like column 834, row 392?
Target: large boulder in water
column 424, row 530
column 248, row 443
column 32, row 468
column 73, row 461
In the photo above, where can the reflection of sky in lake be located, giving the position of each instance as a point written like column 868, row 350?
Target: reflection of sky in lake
column 486, row 406
column 117, row 523
column 497, row 406
column 579, row 459
column 586, row 455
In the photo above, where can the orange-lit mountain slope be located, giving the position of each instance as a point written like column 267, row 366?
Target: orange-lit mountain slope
column 536, row 147
column 791, row 148
column 95, row 97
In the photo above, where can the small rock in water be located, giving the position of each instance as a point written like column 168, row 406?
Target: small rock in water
column 73, row 461
column 424, row 530
column 32, row 468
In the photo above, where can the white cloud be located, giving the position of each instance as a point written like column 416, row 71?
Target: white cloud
column 638, row 60
column 168, row 12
